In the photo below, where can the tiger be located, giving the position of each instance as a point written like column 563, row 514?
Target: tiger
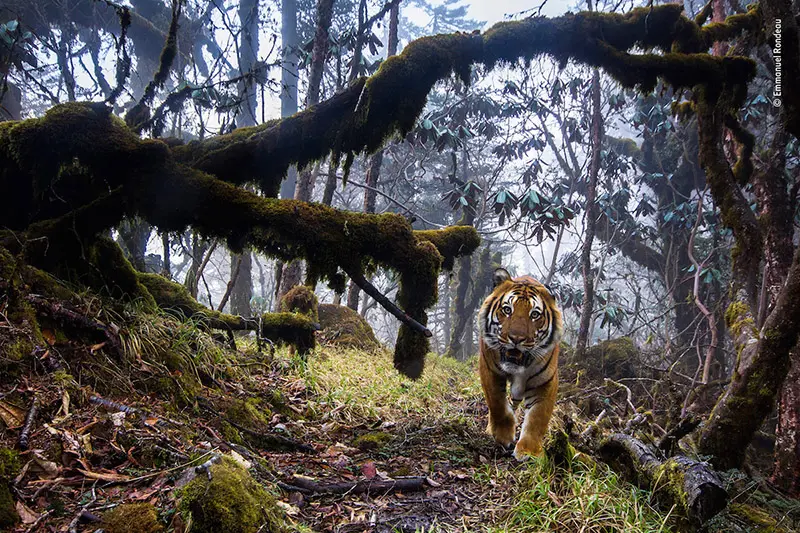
column 520, row 329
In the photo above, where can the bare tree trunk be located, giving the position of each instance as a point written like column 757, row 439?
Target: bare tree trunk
column 375, row 162
column 167, row 273
column 289, row 75
column 447, row 319
column 242, row 279
column 330, row 184
column 242, row 276
column 198, row 252
column 305, row 185
column 591, row 220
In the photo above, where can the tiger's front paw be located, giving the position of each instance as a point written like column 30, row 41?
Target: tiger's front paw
column 502, row 430
column 527, row 448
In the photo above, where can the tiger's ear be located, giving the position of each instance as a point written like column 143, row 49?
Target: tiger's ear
column 500, row 275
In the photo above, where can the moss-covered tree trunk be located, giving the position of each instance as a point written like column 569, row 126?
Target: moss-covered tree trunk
column 761, row 368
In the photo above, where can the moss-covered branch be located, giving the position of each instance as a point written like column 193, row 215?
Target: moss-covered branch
column 361, row 117
column 291, row 328
column 145, row 180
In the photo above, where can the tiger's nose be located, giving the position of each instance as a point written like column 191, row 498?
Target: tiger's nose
column 516, row 339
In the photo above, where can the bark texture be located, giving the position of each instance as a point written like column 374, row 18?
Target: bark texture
column 587, row 305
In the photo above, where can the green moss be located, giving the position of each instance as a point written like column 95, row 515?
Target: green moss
column 8, row 512
column 342, row 326
column 230, row 433
column 249, row 413
column 290, row 328
column 132, row 518
column 372, row 441
column 762, row 520
column 738, row 318
column 232, row 501
column 451, row 242
column 19, row 349
column 9, row 464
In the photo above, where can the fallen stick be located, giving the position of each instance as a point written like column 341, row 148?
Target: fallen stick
column 30, row 418
column 368, row 486
column 65, row 313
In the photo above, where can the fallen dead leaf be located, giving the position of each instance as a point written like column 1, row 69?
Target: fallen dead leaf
column 45, row 468
column 369, row 470
column 104, row 476
column 49, row 336
column 26, row 514
column 13, row 417
column 290, row 509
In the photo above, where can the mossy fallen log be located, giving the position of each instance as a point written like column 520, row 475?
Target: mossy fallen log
column 693, row 486
column 290, row 328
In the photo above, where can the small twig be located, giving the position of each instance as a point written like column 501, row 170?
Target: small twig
column 628, row 396
column 113, row 405
column 30, row 418
column 83, row 514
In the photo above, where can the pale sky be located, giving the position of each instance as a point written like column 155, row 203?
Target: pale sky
column 496, row 10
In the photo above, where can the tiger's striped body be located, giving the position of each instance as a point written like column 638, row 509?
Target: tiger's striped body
column 520, row 330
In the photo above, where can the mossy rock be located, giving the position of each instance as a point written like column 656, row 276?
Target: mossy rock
column 232, row 501
column 612, row 359
column 341, row 326
column 372, row 441
column 132, row 518
column 301, row 299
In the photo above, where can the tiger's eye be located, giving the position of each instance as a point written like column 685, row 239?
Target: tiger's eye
column 535, row 315
column 507, row 310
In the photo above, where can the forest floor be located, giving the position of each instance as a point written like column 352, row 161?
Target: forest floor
column 342, row 416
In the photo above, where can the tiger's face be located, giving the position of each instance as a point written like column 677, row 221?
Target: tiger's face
column 520, row 320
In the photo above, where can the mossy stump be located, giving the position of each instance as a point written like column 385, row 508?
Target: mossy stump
column 612, row 358
column 231, row 501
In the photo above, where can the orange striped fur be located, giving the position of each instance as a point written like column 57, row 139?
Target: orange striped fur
column 520, row 330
